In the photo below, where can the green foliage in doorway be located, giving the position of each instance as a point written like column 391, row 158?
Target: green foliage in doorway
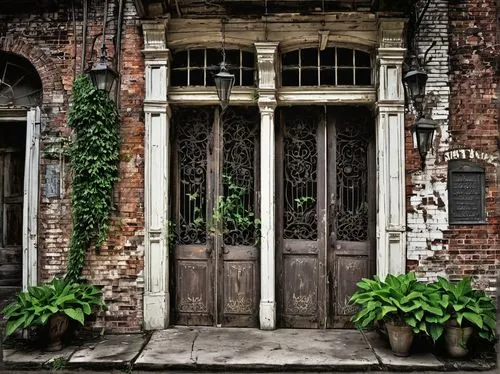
column 94, row 153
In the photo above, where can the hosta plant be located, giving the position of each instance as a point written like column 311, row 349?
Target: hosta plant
column 400, row 299
column 465, row 307
column 38, row 304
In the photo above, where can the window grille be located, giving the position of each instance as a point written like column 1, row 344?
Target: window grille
column 332, row 66
column 197, row 67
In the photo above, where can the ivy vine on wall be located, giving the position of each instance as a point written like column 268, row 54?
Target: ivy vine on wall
column 94, row 153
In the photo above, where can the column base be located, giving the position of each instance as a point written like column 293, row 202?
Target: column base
column 267, row 315
column 156, row 310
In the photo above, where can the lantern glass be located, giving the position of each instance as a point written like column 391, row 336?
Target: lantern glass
column 424, row 130
column 224, row 82
column 103, row 77
column 415, row 81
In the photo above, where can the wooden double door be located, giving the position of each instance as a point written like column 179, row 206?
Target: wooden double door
column 325, row 212
column 214, row 227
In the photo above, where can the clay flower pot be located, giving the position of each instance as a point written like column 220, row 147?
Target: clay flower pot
column 400, row 338
column 57, row 325
column 456, row 338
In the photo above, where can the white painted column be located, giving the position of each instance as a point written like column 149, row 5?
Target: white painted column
column 30, row 199
column 391, row 207
column 266, row 60
column 156, row 163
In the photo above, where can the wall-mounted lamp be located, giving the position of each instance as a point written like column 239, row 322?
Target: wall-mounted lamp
column 224, row 80
column 424, row 131
column 415, row 81
column 103, row 76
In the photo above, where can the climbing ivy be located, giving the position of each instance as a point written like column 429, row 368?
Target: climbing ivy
column 94, row 153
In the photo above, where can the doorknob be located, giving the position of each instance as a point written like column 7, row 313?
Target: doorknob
column 223, row 250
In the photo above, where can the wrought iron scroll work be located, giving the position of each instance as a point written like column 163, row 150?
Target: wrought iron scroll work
column 240, row 140
column 193, row 129
column 352, row 178
column 300, row 179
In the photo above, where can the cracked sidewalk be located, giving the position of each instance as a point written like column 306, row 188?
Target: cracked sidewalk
column 224, row 349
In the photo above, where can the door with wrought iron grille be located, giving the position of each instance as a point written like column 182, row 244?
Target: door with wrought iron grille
column 325, row 212
column 214, row 229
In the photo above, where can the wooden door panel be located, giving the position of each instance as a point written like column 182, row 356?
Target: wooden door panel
column 240, row 286
column 194, row 291
column 13, row 224
column 301, row 292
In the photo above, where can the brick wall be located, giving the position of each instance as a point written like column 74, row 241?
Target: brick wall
column 434, row 246
column 53, row 44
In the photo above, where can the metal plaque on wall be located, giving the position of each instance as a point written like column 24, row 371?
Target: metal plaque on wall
column 466, row 190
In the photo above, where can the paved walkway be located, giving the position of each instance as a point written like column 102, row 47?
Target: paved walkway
column 233, row 349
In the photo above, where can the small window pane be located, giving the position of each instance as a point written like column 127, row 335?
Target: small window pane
column 290, row 77
column 363, row 59
column 179, row 78
column 233, row 58
column 197, row 58
column 327, row 77
column 196, row 77
column 291, row 58
column 309, row 77
column 210, row 78
column 344, row 57
column 345, row 76
column 248, row 59
column 214, row 57
column 236, row 73
column 309, row 57
column 363, row 77
column 327, row 57
column 247, row 77
column 179, row 59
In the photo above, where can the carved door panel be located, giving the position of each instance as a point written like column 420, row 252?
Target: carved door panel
column 12, row 139
column 215, row 183
column 323, row 199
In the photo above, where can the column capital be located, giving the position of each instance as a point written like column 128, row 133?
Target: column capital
column 391, row 32
column 155, row 34
column 266, row 62
column 156, row 56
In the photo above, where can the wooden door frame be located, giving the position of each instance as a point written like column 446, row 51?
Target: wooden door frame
column 31, row 118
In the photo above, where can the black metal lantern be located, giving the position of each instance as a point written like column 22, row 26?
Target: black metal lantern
column 415, row 81
column 224, row 82
column 424, row 131
column 103, row 76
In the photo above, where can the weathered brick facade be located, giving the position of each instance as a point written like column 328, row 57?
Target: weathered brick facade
column 462, row 94
column 434, row 246
column 48, row 41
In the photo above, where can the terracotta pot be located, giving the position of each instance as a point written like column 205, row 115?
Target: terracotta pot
column 57, row 325
column 456, row 340
column 400, row 338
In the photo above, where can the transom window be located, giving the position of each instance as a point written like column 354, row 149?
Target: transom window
column 197, row 67
column 329, row 67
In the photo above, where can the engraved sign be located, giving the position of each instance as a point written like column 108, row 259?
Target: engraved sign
column 466, row 192
column 52, row 181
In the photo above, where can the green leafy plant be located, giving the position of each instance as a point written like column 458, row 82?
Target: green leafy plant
column 401, row 299
column 231, row 213
column 35, row 306
column 304, row 201
column 58, row 363
column 94, row 155
column 463, row 306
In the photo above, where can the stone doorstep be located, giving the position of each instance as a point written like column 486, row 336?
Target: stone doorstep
column 223, row 349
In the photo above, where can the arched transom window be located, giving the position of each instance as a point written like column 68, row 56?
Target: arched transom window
column 333, row 66
column 197, row 67
column 20, row 85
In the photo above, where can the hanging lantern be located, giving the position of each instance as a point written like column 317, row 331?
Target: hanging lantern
column 224, row 82
column 103, row 76
column 424, row 131
column 415, row 81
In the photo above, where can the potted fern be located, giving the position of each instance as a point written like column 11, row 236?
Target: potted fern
column 50, row 306
column 403, row 304
column 466, row 310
